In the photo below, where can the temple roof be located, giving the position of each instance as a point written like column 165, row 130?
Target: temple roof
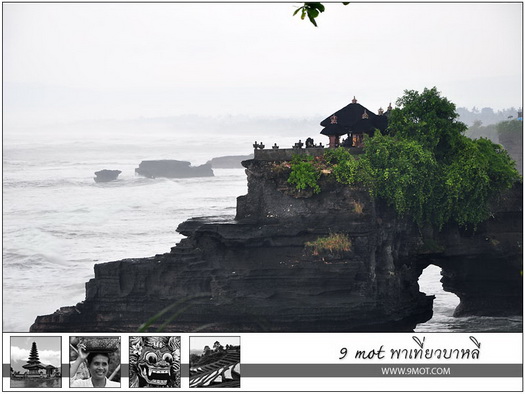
column 334, row 129
column 34, row 366
column 354, row 118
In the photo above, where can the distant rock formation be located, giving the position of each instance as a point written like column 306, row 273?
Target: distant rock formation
column 172, row 169
column 106, row 175
column 229, row 161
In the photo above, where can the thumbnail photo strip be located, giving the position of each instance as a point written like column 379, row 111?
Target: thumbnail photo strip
column 215, row 362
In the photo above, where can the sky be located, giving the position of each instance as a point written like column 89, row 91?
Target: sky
column 68, row 62
column 48, row 351
column 197, row 344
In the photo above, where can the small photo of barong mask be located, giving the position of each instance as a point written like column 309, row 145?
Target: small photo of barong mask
column 154, row 361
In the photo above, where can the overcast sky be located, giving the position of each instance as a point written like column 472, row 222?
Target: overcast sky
column 81, row 61
column 197, row 344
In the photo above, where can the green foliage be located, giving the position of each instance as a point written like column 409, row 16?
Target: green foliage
column 332, row 243
column 480, row 170
column 425, row 168
column 402, row 172
column 428, row 119
column 428, row 169
column 510, row 133
column 477, row 130
column 304, row 174
column 162, row 319
column 347, row 168
column 312, row 11
column 510, row 127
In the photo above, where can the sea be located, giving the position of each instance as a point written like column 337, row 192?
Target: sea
column 58, row 222
column 35, row 383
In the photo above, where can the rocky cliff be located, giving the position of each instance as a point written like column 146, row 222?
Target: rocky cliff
column 106, row 175
column 172, row 169
column 256, row 272
column 484, row 268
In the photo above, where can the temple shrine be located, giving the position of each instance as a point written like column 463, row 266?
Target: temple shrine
column 35, row 369
column 355, row 121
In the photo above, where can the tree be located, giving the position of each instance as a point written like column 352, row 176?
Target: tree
column 207, row 350
column 217, row 347
column 429, row 143
column 424, row 167
column 312, row 11
column 428, row 119
column 510, row 129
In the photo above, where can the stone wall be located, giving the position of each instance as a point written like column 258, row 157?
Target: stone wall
column 286, row 154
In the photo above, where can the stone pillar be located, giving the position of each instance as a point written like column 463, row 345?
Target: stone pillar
column 334, row 141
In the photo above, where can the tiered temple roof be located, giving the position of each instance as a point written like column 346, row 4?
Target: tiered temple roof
column 354, row 119
column 33, row 363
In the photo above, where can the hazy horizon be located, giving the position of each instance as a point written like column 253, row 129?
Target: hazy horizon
column 83, row 62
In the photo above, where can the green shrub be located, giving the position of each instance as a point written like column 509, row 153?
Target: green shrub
column 304, row 174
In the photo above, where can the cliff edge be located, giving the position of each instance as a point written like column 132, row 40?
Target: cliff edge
column 263, row 270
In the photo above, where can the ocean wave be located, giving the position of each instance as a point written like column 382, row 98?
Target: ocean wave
column 35, row 260
column 43, row 183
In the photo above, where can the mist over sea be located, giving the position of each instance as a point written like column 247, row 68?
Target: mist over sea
column 58, row 223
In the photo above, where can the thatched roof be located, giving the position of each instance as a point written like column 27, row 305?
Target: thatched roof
column 354, row 118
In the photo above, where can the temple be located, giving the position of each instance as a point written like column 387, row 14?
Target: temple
column 35, row 369
column 355, row 121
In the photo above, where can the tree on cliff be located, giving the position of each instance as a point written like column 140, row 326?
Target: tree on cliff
column 466, row 174
column 425, row 167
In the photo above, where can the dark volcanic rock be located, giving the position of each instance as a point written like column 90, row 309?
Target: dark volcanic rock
column 172, row 169
column 106, row 175
column 484, row 267
column 254, row 273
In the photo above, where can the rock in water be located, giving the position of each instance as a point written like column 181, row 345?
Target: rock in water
column 106, row 175
column 172, row 169
column 261, row 271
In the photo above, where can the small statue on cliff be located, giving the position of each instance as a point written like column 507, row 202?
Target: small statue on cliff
column 309, row 142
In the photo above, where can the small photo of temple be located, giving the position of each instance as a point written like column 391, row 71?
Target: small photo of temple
column 36, row 362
